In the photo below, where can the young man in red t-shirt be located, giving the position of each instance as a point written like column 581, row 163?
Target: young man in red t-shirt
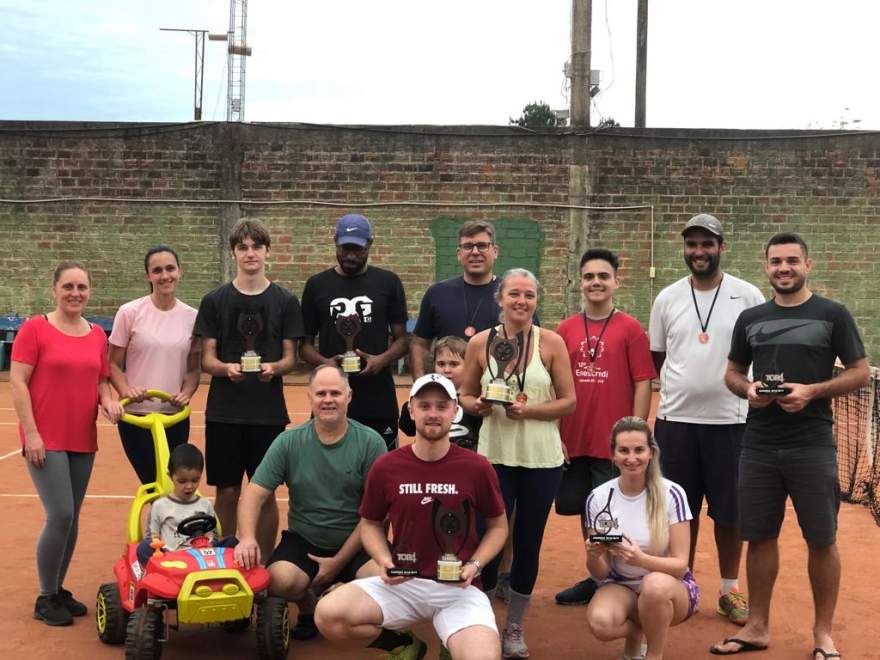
column 420, row 489
column 612, row 368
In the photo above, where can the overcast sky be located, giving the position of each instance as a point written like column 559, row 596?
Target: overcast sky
column 711, row 63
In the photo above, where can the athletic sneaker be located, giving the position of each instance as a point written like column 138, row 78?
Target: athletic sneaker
column 502, row 587
column 73, row 606
column 734, row 606
column 305, row 628
column 51, row 611
column 513, row 644
column 579, row 594
column 415, row 650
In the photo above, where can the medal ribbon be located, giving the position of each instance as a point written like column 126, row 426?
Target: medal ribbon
column 593, row 352
column 523, row 353
column 705, row 325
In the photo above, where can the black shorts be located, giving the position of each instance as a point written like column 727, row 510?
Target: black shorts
column 386, row 427
column 231, row 450
column 579, row 478
column 704, row 460
column 806, row 474
column 295, row 549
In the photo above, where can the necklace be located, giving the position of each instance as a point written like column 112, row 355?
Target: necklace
column 470, row 329
column 521, row 396
column 593, row 350
column 703, row 337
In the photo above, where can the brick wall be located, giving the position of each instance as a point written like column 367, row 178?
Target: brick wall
column 824, row 186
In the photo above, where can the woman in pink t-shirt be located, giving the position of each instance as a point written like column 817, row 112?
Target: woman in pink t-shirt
column 59, row 379
column 152, row 347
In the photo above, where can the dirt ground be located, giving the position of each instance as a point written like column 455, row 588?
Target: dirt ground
column 551, row 631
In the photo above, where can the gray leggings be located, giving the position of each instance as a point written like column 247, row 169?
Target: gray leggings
column 61, row 484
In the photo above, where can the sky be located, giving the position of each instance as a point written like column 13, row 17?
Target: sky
column 763, row 64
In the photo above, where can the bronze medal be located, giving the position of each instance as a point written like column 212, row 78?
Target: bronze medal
column 470, row 331
column 522, row 397
column 703, row 337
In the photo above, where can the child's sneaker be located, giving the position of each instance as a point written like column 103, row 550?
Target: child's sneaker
column 734, row 606
column 51, row 611
column 415, row 650
column 513, row 644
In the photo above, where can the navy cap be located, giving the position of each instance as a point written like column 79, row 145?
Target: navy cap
column 353, row 229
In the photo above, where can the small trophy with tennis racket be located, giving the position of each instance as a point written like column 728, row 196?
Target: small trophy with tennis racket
column 349, row 326
column 505, row 351
column 404, row 564
column 451, row 527
column 250, row 324
column 773, row 385
column 603, row 523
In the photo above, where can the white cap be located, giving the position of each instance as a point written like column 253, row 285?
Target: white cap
column 433, row 379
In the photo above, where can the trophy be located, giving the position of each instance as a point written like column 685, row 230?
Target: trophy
column 504, row 351
column 773, row 385
column 604, row 523
column 348, row 327
column 250, row 324
column 404, row 565
column 451, row 528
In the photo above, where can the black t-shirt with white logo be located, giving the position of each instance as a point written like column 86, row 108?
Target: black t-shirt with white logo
column 377, row 296
column 279, row 317
column 802, row 343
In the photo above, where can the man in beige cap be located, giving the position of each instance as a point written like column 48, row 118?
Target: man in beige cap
column 700, row 423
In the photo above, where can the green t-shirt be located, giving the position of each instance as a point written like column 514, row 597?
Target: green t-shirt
column 326, row 482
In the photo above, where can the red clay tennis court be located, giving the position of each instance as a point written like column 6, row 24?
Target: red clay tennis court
column 551, row 631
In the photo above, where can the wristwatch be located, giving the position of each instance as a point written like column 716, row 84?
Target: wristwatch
column 476, row 562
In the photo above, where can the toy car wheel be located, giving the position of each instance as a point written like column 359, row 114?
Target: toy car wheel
column 143, row 638
column 111, row 618
column 237, row 626
column 273, row 631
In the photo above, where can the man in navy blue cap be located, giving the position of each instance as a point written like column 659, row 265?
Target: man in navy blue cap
column 376, row 296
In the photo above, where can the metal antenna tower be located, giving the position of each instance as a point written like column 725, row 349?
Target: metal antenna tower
column 200, row 68
column 237, row 50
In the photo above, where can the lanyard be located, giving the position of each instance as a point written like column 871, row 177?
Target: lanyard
column 522, row 357
column 703, row 337
column 593, row 350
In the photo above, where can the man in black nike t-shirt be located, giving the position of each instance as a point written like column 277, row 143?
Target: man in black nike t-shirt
column 377, row 297
column 788, row 447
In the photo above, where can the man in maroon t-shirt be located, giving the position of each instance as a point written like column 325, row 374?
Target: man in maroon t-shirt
column 427, row 491
column 612, row 368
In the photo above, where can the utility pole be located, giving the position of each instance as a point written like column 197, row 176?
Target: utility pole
column 641, row 62
column 581, row 25
column 200, row 68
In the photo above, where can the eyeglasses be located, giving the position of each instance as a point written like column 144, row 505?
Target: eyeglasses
column 481, row 247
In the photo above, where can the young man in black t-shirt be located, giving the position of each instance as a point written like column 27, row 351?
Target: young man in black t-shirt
column 464, row 305
column 788, row 447
column 377, row 297
column 245, row 412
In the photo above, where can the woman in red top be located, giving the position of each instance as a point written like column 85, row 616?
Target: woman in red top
column 59, row 378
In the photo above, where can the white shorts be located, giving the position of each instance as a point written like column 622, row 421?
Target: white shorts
column 450, row 608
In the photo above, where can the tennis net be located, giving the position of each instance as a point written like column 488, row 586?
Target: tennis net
column 856, row 423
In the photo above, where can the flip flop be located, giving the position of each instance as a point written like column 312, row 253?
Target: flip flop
column 825, row 654
column 744, row 647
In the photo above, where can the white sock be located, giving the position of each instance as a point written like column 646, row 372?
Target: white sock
column 728, row 585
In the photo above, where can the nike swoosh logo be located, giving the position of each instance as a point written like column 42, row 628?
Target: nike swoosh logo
column 735, row 297
column 427, row 500
column 762, row 336
column 348, row 229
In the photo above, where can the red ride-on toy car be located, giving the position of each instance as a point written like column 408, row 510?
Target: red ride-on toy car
column 196, row 585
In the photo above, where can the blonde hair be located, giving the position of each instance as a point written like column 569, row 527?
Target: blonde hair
column 514, row 272
column 658, row 522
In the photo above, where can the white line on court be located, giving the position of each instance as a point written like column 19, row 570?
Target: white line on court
column 10, row 454
column 92, row 497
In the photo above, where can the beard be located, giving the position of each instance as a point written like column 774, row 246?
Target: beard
column 796, row 285
column 714, row 263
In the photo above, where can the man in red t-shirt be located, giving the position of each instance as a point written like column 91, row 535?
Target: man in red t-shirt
column 612, row 368
column 430, row 492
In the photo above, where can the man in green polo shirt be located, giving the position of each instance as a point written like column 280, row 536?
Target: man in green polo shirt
column 324, row 464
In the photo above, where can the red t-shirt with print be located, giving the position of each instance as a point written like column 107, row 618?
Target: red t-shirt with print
column 604, row 387
column 412, row 492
